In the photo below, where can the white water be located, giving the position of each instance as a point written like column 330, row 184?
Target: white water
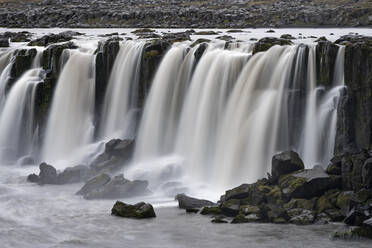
column 16, row 120
column 70, row 122
column 235, row 114
column 118, row 119
column 160, row 115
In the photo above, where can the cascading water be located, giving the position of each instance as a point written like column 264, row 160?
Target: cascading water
column 237, row 114
column 17, row 115
column 160, row 115
column 70, row 122
column 118, row 115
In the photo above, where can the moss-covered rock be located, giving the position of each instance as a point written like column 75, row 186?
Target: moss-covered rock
column 230, row 207
column 301, row 216
column 213, row 210
column 285, row 163
column 265, row 44
column 139, row 211
column 249, row 209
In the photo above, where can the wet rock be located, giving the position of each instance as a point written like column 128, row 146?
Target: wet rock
column 230, row 207
column 334, row 168
column 308, row 204
column 213, row 210
column 206, row 33
column 176, row 37
column 33, row 178
column 308, row 183
column 103, row 187
column 50, row 39
column 199, row 41
column 23, row 36
column 285, row 163
column 301, row 216
column 234, row 31
column 357, row 216
column 143, row 30
column 105, row 57
column 367, row 173
column 48, row 174
column 192, row 210
column 265, row 43
column 186, row 202
column 219, row 220
column 287, row 36
column 4, row 43
column 348, row 233
column 73, row 174
column 22, row 62
column 139, row 211
column 239, row 192
column 225, row 37
column 94, row 183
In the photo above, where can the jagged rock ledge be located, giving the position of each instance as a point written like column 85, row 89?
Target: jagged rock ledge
column 293, row 194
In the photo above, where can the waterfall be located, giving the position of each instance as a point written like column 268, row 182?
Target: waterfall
column 118, row 115
column 161, row 113
column 70, row 122
column 237, row 111
column 215, row 115
column 17, row 118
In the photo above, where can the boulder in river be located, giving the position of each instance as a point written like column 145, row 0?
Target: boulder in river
column 103, row 187
column 187, row 202
column 140, row 210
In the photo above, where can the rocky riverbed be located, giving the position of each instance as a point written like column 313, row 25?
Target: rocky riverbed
column 191, row 13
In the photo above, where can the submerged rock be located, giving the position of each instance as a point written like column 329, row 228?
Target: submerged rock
column 140, row 210
column 186, row 202
column 94, row 183
column 103, row 187
column 48, row 174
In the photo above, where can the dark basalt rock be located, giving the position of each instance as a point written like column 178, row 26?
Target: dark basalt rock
column 287, row 37
column 105, row 58
column 285, row 163
column 206, row 33
column 265, row 44
column 354, row 125
column 51, row 38
column 52, row 64
column 326, row 54
column 73, row 174
column 22, row 62
column 94, row 183
column 186, row 202
column 152, row 54
column 176, row 37
column 199, row 41
column 23, row 36
column 117, row 153
column 367, row 173
column 308, row 183
column 4, row 43
column 139, row 211
column 48, row 174
column 103, row 187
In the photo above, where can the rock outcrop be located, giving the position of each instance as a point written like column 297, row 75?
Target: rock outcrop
column 140, row 210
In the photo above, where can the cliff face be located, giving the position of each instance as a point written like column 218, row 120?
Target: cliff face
column 354, row 129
